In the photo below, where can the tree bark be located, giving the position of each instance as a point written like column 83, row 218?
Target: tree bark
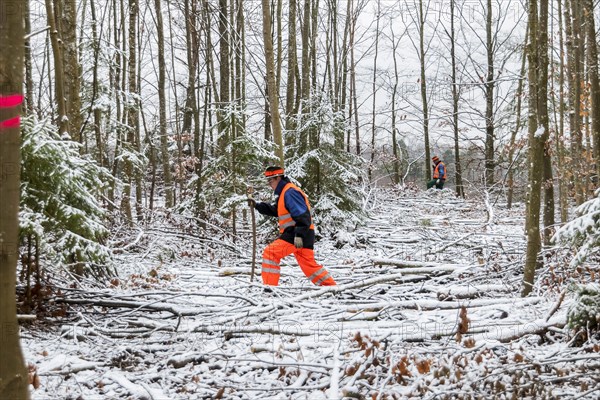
column 273, row 93
column 374, row 94
column 72, row 69
column 28, row 60
column 131, row 108
column 424, row 102
column 59, row 75
column 395, row 149
column 489, row 100
column 460, row 191
column 538, row 134
column 13, row 374
column 292, row 65
column 592, row 59
column 560, row 146
column 162, row 108
column 224, row 75
column 575, row 52
column 513, row 137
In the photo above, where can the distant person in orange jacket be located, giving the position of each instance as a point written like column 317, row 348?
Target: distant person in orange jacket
column 296, row 228
column 439, row 174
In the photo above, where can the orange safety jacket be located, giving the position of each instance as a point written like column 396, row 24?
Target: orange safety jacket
column 285, row 218
column 436, row 171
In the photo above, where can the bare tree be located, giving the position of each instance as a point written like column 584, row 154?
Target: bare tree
column 538, row 133
column 162, row 108
column 420, row 20
column 489, row 98
column 460, row 191
column 273, row 92
column 374, row 91
column 512, row 146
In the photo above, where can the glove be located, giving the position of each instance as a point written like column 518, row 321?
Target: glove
column 437, row 182
column 298, row 242
column 251, row 203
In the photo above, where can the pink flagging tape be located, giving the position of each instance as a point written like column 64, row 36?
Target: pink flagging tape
column 10, row 123
column 10, row 101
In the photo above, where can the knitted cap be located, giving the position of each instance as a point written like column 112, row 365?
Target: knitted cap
column 435, row 159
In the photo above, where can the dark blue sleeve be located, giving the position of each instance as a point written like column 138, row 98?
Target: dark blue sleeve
column 442, row 171
column 266, row 209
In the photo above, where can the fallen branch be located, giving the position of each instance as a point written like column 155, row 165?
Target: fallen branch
column 418, row 267
column 158, row 307
column 26, row 317
column 137, row 391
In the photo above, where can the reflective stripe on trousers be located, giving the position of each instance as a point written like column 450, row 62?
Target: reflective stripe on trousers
column 273, row 254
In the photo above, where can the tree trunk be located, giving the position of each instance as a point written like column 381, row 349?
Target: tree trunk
column 538, row 133
column 192, row 61
column 273, row 92
column 162, row 108
column 544, row 120
column 28, row 61
column 374, row 93
column 421, row 15
column 240, row 62
column 513, row 137
column 575, row 51
column 131, row 108
column 592, row 58
column 353, row 96
column 560, row 146
column 72, row 69
column 13, row 374
column 292, row 63
column 395, row 150
column 489, row 100
column 224, row 75
column 59, row 75
column 460, row 191
column 95, row 88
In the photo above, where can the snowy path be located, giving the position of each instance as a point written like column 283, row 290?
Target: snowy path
column 184, row 321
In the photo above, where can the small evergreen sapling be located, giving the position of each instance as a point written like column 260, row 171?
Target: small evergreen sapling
column 60, row 192
column 583, row 232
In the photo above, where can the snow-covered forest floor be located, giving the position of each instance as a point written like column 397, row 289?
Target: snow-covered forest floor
column 427, row 306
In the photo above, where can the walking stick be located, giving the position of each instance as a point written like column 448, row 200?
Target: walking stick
column 249, row 191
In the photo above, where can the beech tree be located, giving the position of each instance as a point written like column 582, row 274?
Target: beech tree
column 538, row 133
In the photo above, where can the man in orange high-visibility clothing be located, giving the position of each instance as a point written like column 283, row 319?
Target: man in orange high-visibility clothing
column 439, row 174
column 297, row 232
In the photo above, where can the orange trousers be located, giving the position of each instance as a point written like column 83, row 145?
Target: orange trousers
column 273, row 254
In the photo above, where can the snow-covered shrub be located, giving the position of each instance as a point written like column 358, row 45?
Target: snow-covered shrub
column 225, row 178
column 333, row 191
column 318, row 161
column 60, row 192
column 585, row 312
column 583, row 232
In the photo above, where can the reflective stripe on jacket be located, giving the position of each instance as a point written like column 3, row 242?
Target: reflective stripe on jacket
column 285, row 218
column 436, row 171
